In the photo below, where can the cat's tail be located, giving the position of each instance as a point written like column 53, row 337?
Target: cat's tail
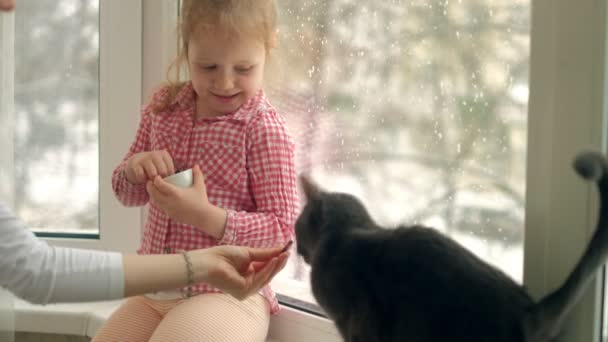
column 543, row 321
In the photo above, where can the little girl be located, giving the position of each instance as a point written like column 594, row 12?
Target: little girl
column 220, row 124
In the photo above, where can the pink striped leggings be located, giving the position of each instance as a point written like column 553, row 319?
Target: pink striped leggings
column 211, row 317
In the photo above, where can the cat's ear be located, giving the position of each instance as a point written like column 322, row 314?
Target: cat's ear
column 311, row 190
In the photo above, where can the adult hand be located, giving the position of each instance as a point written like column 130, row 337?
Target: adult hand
column 7, row 5
column 239, row 271
column 144, row 166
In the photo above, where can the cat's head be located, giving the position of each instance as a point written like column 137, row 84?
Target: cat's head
column 327, row 212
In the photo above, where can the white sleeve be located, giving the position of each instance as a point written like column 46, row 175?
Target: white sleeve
column 40, row 273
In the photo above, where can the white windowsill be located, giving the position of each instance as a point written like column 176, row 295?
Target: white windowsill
column 84, row 319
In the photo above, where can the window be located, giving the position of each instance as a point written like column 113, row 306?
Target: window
column 55, row 117
column 418, row 108
column 63, row 81
column 567, row 114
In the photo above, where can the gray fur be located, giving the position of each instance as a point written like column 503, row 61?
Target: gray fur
column 413, row 284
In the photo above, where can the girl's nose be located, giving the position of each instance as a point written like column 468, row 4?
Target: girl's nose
column 224, row 81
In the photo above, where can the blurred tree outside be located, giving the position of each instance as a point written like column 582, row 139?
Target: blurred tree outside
column 416, row 107
column 56, row 113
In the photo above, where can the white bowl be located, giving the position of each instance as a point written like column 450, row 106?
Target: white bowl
column 182, row 179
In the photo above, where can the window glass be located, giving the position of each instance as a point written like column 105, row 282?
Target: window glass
column 418, row 108
column 56, row 91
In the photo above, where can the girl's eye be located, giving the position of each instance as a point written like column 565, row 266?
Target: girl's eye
column 243, row 70
column 208, row 67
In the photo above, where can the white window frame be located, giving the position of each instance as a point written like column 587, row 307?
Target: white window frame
column 566, row 115
column 159, row 45
column 7, row 104
column 7, row 67
column 120, row 98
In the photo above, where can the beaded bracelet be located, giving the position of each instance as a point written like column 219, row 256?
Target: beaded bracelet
column 189, row 273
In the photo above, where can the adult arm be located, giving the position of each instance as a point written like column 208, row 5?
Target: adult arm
column 40, row 273
column 239, row 271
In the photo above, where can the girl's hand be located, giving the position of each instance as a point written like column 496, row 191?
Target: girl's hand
column 144, row 166
column 186, row 205
column 239, row 271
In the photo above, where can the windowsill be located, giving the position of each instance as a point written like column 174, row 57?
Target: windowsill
column 84, row 319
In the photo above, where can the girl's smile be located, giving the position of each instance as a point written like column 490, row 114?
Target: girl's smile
column 225, row 98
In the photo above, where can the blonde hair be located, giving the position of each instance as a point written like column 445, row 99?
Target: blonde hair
column 235, row 18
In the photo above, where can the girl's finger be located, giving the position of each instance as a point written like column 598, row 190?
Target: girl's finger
column 165, row 187
column 150, row 169
column 168, row 163
column 153, row 191
column 140, row 174
column 159, row 163
column 198, row 178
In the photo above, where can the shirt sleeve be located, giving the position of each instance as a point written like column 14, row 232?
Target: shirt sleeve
column 42, row 274
column 128, row 194
column 272, row 180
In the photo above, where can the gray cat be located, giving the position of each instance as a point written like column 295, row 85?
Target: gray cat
column 413, row 284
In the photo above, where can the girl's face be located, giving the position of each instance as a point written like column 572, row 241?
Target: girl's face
column 7, row 5
column 225, row 72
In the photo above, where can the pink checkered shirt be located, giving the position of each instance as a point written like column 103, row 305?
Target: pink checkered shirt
column 247, row 158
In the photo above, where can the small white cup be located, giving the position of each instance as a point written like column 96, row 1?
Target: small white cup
column 182, row 179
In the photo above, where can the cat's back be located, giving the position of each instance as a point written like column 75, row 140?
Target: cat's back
column 414, row 279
